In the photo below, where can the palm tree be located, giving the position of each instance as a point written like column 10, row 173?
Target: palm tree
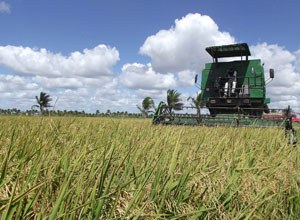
column 196, row 102
column 43, row 101
column 173, row 100
column 147, row 105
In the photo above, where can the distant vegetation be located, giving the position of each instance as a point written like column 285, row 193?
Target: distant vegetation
column 48, row 112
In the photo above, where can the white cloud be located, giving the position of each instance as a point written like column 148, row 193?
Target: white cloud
column 155, row 94
column 4, row 7
column 139, row 76
column 10, row 84
column 17, row 92
column 67, row 83
column 143, row 77
column 297, row 63
column 284, row 89
column 79, row 81
column 183, row 47
column 89, row 63
column 75, row 80
column 186, row 78
column 103, row 82
column 82, row 93
column 144, row 81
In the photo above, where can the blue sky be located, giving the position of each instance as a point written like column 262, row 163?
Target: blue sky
column 91, row 55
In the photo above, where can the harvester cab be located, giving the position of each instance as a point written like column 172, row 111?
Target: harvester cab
column 230, row 87
column 234, row 92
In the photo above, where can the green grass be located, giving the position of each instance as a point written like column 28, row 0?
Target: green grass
column 102, row 168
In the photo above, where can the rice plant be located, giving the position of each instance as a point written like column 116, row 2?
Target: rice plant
column 103, row 168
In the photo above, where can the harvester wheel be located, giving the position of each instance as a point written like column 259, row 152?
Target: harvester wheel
column 266, row 109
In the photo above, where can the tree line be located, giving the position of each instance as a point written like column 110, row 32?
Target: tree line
column 47, row 112
column 43, row 103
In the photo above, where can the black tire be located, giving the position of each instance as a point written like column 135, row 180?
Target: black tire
column 266, row 109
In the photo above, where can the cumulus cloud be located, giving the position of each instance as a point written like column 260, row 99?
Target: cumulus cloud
column 11, row 83
column 154, row 93
column 77, row 81
column 297, row 63
column 92, row 99
column 186, row 78
column 67, row 83
column 143, row 77
column 284, row 89
column 183, row 46
column 140, row 76
column 89, row 63
column 4, row 7
column 17, row 92
column 144, row 81
column 81, row 93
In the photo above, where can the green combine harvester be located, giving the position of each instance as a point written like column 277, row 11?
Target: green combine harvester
column 234, row 92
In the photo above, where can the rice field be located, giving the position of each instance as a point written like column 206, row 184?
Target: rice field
column 105, row 168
